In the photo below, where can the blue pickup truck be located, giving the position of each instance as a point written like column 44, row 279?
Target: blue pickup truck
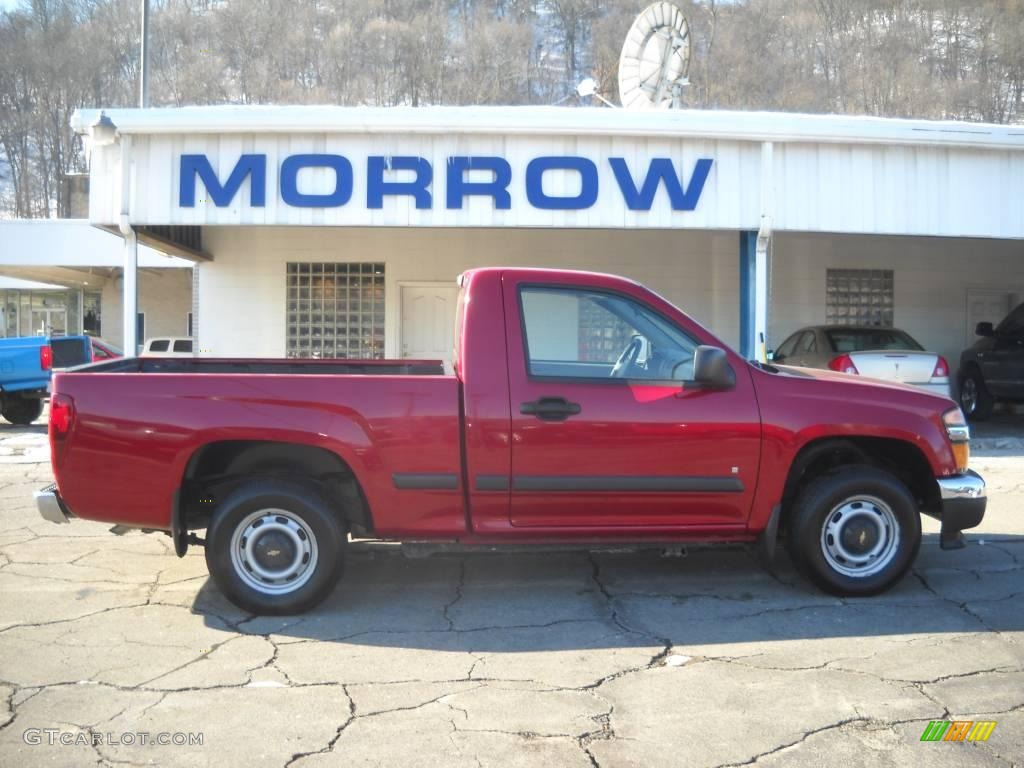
column 26, row 364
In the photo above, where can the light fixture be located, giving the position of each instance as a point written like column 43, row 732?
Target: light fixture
column 588, row 87
column 103, row 131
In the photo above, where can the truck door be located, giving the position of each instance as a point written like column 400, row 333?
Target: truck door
column 604, row 430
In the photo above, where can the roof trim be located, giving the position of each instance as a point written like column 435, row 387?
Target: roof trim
column 558, row 121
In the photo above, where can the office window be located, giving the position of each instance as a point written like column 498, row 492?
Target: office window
column 335, row 310
column 859, row 297
column 91, row 317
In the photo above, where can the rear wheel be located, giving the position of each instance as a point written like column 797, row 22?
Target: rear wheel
column 855, row 531
column 975, row 399
column 275, row 547
column 22, row 410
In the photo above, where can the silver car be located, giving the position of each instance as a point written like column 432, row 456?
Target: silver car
column 881, row 353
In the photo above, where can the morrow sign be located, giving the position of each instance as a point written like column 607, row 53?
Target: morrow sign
column 465, row 176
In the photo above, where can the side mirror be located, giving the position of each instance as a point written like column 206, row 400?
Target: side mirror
column 711, row 369
column 984, row 329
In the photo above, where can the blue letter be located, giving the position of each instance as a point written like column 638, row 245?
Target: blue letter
column 535, row 183
column 458, row 187
column 661, row 169
column 199, row 165
column 290, row 175
column 376, row 187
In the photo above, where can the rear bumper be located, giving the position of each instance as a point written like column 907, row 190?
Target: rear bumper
column 50, row 505
column 963, row 506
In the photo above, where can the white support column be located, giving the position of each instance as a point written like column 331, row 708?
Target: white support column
column 762, row 252
column 130, row 300
column 130, row 277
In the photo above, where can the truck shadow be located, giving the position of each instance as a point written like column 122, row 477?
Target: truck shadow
column 531, row 602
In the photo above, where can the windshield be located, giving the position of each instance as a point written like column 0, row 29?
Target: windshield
column 860, row 339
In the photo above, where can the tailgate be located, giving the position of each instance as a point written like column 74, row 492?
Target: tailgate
column 69, row 351
column 908, row 366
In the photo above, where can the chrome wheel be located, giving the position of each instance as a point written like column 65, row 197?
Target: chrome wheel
column 969, row 395
column 860, row 536
column 273, row 551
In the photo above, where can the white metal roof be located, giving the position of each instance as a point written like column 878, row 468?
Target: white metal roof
column 716, row 124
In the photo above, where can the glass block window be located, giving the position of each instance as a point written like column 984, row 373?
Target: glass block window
column 859, row 297
column 335, row 310
column 602, row 336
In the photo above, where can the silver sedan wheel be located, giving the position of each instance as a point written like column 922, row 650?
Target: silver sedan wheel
column 273, row 551
column 860, row 536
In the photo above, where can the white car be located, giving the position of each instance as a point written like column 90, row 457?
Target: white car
column 881, row 353
column 168, row 346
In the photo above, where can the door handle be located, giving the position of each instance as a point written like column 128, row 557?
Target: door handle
column 550, row 409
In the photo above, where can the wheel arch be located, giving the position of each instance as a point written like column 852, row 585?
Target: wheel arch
column 217, row 467
column 906, row 461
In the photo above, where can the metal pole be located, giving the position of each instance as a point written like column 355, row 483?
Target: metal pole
column 144, row 71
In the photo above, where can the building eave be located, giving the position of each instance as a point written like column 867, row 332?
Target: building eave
column 558, row 121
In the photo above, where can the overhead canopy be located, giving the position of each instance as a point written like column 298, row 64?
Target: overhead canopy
column 16, row 284
column 73, row 243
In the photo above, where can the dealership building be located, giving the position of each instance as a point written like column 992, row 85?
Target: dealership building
column 330, row 231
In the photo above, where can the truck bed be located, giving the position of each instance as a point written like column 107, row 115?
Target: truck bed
column 275, row 366
column 138, row 423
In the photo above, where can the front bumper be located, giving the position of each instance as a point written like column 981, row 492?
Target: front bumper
column 50, row 505
column 963, row 506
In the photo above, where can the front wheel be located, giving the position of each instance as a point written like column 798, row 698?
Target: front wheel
column 855, row 531
column 22, row 410
column 275, row 547
column 975, row 399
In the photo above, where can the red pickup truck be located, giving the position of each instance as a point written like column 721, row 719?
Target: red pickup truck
column 584, row 409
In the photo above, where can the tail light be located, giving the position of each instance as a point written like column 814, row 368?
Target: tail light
column 941, row 369
column 62, row 416
column 46, row 357
column 843, row 364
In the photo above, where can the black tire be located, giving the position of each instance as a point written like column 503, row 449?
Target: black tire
column 847, row 511
column 22, row 410
column 975, row 399
column 307, row 548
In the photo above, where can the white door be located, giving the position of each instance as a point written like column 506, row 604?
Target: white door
column 428, row 321
column 983, row 305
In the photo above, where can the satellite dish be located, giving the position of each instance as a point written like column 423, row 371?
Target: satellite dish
column 655, row 59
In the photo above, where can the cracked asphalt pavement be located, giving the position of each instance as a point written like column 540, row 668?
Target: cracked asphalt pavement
column 533, row 659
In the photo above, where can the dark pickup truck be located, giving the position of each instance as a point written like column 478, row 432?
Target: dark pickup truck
column 993, row 369
column 584, row 409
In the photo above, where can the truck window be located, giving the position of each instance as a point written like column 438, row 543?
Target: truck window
column 579, row 333
column 183, row 345
column 1013, row 325
column 159, row 345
